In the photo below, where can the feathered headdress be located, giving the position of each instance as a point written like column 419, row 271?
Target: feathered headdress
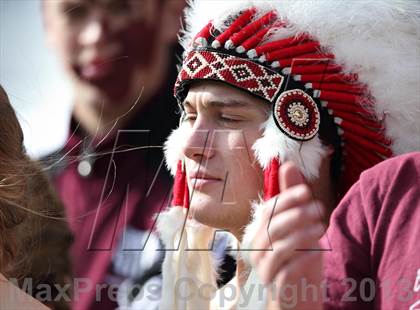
column 349, row 67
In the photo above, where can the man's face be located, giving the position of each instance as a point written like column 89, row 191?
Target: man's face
column 223, row 175
column 102, row 42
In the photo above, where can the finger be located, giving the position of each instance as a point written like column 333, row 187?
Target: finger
column 296, row 196
column 297, row 268
column 288, row 221
column 284, row 250
column 303, row 271
column 289, row 175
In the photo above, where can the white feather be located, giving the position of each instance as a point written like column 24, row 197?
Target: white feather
column 170, row 226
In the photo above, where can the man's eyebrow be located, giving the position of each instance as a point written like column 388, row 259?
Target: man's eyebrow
column 186, row 104
column 227, row 102
column 70, row 4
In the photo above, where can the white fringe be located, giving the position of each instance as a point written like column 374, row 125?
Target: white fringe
column 256, row 301
column 187, row 269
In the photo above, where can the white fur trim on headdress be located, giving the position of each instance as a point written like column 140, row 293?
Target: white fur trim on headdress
column 306, row 155
column 174, row 146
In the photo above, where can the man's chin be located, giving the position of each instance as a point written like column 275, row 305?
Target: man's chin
column 206, row 211
column 111, row 88
column 101, row 93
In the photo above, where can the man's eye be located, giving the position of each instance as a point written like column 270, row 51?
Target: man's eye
column 76, row 12
column 229, row 119
column 189, row 117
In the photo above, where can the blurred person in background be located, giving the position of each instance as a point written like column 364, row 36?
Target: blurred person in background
column 120, row 57
column 34, row 240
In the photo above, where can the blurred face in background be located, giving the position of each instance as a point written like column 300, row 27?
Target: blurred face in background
column 108, row 45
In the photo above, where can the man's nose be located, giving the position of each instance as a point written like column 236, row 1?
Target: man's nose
column 200, row 143
column 96, row 30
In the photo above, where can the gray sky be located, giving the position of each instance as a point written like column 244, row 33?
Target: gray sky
column 31, row 75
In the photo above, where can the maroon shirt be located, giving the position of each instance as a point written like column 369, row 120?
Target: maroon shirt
column 374, row 236
column 127, row 185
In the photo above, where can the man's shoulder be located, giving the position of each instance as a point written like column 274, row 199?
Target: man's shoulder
column 383, row 191
column 388, row 195
column 406, row 163
column 392, row 177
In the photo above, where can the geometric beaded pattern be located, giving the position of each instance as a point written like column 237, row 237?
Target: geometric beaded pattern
column 239, row 72
column 297, row 115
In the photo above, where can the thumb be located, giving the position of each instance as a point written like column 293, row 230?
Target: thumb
column 289, row 176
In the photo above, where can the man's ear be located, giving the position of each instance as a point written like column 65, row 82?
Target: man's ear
column 172, row 19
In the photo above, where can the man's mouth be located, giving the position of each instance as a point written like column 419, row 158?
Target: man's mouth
column 199, row 179
column 96, row 64
column 97, row 69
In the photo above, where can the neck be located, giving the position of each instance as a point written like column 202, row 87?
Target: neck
column 323, row 189
column 98, row 116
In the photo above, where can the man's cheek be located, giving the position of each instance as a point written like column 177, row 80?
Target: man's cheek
column 66, row 48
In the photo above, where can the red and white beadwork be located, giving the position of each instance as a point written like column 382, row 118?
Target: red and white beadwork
column 239, row 72
column 297, row 115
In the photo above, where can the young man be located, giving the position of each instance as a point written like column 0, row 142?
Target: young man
column 120, row 58
column 261, row 84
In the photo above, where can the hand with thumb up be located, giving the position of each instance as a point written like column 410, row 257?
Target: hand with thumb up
column 290, row 232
